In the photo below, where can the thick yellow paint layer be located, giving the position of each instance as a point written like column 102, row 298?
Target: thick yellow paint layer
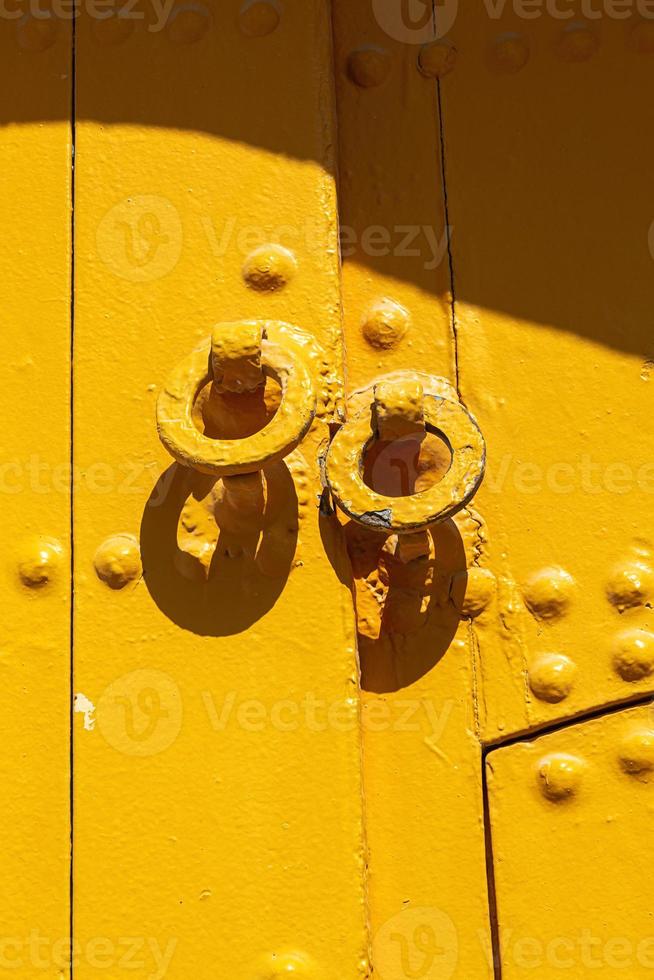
column 35, row 502
column 218, row 796
column 422, row 761
column 571, row 820
column 396, row 283
column 550, row 196
column 219, row 724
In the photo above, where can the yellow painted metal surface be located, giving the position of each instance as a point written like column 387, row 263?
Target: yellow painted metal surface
column 337, row 282
column 551, row 207
column 552, row 356
column 428, row 905
column 396, row 284
column 571, row 817
column 218, row 803
column 35, row 497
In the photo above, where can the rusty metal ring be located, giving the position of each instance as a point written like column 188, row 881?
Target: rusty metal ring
column 345, row 461
column 284, row 357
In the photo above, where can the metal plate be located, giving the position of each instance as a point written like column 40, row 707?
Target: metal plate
column 571, row 816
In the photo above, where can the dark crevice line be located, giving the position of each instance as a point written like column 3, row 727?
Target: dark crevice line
column 490, row 877
column 603, row 711
column 448, row 233
column 446, row 211
column 71, row 693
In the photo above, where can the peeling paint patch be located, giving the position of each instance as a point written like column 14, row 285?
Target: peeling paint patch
column 377, row 518
column 83, row 706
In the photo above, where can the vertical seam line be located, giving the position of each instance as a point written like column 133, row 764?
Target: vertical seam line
column 448, row 228
column 365, row 859
column 73, row 123
column 490, row 874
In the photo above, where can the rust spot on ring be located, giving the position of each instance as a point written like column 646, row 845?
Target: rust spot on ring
column 345, row 470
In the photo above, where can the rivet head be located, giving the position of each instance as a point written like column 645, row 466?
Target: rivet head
column 548, row 593
column 118, row 561
column 437, row 59
column 36, row 33
column 559, row 776
column 551, row 677
column 473, row 590
column 641, row 39
column 269, row 268
column 188, row 22
column 257, row 18
column 279, row 966
column 385, row 324
column 630, row 584
column 510, row 53
column 39, row 562
column 369, row 66
column 636, row 754
column 112, row 29
column 577, row 42
column 633, row 654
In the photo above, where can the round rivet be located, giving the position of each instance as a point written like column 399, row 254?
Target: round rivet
column 369, row 66
column 636, row 753
column 112, row 29
column 385, row 324
column 257, row 18
column 548, row 592
column 641, row 39
column 559, row 776
column 269, row 268
column 280, row 966
column 36, row 33
column 473, row 590
column 188, row 22
column 633, row 654
column 118, row 561
column 40, row 560
column 577, row 42
column 510, row 53
column 551, row 677
column 630, row 584
column 437, row 59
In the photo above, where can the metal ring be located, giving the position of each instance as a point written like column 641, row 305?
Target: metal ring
column 344, row 471
column 285, row 358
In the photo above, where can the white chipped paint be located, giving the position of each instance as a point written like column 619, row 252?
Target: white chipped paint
column 83, row 706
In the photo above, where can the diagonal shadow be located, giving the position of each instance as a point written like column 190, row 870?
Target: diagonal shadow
column 554, row 232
